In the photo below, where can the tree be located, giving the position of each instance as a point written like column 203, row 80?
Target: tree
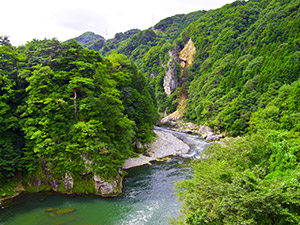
column 11, row 140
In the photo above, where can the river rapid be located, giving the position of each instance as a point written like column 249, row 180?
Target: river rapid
column 148, row 198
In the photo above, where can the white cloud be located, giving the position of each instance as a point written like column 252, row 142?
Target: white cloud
column 80, row 19
column 24, row 20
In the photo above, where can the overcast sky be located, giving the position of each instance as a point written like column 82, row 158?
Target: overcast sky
column 23, row 20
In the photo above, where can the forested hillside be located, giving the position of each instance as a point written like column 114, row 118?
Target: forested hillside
column 244, row 82
column 90, row 40
column 68, row 116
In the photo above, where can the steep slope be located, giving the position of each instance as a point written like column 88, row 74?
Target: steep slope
column 152, row 50
column 117, row 41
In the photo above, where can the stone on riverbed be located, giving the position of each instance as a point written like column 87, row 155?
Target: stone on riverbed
column 51, row 210
column 191, row 128
column 64, row 211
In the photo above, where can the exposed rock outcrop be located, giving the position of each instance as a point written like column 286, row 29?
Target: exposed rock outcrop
column 170, row 78
column 186, row 58
column 110, row 188
column 186, row 55
column 55, row 185
column 141, row 146
column 86, row 182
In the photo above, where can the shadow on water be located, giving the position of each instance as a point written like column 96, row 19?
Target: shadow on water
column 148, row 198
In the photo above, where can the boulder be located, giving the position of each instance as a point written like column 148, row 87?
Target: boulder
column 55, row 185
column 108, row 188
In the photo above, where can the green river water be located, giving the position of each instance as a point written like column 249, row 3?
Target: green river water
column 148, row 198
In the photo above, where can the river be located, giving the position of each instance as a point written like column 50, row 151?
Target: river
column 148, row 197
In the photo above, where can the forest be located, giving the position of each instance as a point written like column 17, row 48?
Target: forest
column 67, row 110
column 62, row 102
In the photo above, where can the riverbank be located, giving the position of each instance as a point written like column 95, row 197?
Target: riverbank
column 163, row 146
column 177, row 124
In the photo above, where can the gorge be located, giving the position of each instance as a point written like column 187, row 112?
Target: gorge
column 72, row 113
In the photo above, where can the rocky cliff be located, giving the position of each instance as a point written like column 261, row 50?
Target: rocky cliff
column 170, row 78
column 185, row 58
column 85, row 183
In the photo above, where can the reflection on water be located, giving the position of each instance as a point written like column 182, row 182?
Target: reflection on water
column 148, row 198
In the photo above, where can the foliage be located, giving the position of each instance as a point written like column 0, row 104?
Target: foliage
column 135, row 95
column 245, row 51
column 259, row 185
column 11, row 140
column 244, row 81
column 242, row 63
column 74, row 111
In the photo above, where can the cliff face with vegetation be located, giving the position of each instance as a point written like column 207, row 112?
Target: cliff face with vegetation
column 244, row 53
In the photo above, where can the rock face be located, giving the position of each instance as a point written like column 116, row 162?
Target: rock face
column 68, row 181
column 55, row 185
column 141, row 146
column 170, row 79
column 108, row 188
column 187, row 54
column 185, row 59
column 45, row 180
column 184, row 127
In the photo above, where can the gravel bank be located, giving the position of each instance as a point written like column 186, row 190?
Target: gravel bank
column 163, row 146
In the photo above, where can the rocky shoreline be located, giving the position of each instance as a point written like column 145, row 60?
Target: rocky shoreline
column 163, row 146
column 178, row 125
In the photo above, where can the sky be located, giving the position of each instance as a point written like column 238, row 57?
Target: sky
column 24, row 20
